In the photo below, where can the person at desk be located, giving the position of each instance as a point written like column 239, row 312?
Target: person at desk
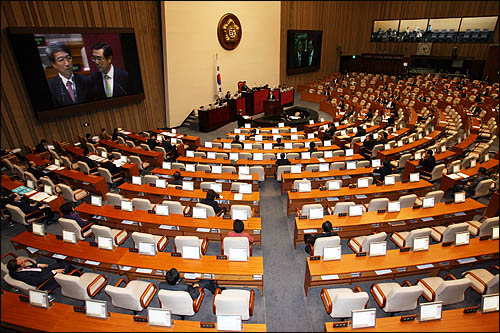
column 428, row 162
column 361, row 131
column 170, row 149
column 91, row 164
column 177, row 179
column 31, row 168
column 69, row 213
column 238, row 231
column 237, row 140
column 210, row 200
column 34, row 274
column 368, row 144
column 282, row 160
column 104, row 134
column 327, row 232
column 112, row 168
column 151, row 142
column 369, row 114
column 114, row 137
column 470, row 186
column 384, row 138
column 252, row 135
column 244, row 87
column 384, row 170
column 34, row 210
column 175, row 283
column 278, row 144
column 241, row 119
column 42, row 146
column 312, row 147
column 271, row 96
column 330, row 132
column 228, row 96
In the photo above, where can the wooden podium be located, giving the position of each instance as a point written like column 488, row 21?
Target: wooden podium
column 272, row 107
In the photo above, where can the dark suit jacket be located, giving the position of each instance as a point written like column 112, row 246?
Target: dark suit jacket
column 33, row 278
column 120, row 84
column 90, row 163
column 283, row 161
column 241, row 121
column 113, row 169
column 428, row 164
column 181, row 286
column 60, row 95
column 151, row 143
column 40, row 148
column 35, row 172
column 212, row 203
column 24, row 207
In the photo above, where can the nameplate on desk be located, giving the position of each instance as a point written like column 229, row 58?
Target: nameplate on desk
column 416, row 206
column 447, row 244
column 401, row 269
column 302, row 217
column 207, row 325
column 361, row 254
column 60, row 237
column 355, row 274
column 379, row 184
column 257, row 277
column 408, row 318
column 380, row 211
column 404, row 249
column 482, row 238
column 24, row 298
column 471, row 309
column 175, row 254
column 342, row 214
column 94, row 244
column 341, row 324
column 141, row 319
column 425, row 266
column 132, row 249
column 294, row 190
column 188, row 215
column 449, row 202
column 59, row 256
column 117, row 207
column 336, row 229
column 459, row 214
column 221, row 257
column 314, row 258
column 227, row 217
column 150, row 211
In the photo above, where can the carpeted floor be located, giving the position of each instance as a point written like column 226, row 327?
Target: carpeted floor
column 284, row 306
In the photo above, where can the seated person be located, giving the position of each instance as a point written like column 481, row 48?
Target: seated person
column 271, row 96
column 228, row 95
column 151, row 142
column 175, row 283
column 35, row 274
column 312, row 147
column 278, row 143
column 42, row 146
column 104, row 134
column 384, row 138
column 244, row 87
column 177, row 179
column 37, row 209
column 282, row 160
column 89, row 138
column 470, row 186
column 240, row 118
column 361, row 131
column 31, row 168
column 329, row 133
column 252, row 135
column 237, row 140
column 69, row 213
column 369, row 114
column 238, row 231
column 327, row 232
column 369, row 143
column 114, row 137
column 91, row 164
column 113, row 169
column 167, row 145
column 384, row 170
column 210, row 200
column 428, row 162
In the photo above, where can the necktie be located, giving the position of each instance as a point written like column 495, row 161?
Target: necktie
column 107, row 79
column 71, row 93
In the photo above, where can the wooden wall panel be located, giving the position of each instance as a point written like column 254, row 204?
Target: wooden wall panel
column 18, row 122
column 348, row 24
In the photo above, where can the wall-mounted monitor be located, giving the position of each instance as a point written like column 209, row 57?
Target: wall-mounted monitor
column 72, row 70
column 303, row 51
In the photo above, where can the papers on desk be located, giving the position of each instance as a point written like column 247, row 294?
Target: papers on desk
column 184, row 199
column 31, row 249
column 168, row 227
column 425, row 266
column 94, row 157
column 383, row 271
column 310, row 231
column 244, row 177
column 332, row 198
column 321, row 159
column 85, row 183
column 128, row 222
column 52, row 167
column 346, row 177
column 191, row 276
column 98, row 217
column 144, row 270
column 427, row 219
column 60, row 168
column 459, row 214
column 463, row 175
column 256, row 232
column 39, row 196
column 207, row 276
column 238, row 196
column 466, row 260
column 361, row 196
column 454, row 176
column 91, row 262
column 257, row 277
column 330, row 277
column 125, row 268
column 59, row 256
column 22, row 190
column 203, row 229
column 118, row 163
column 50, row 198
column 427, row 137
column 30, row 193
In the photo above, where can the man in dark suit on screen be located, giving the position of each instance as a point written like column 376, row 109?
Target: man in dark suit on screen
column 108, row 81
column 66, row 88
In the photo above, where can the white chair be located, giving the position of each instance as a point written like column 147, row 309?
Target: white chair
column 180, row 302
column 178, row 166
column 206, row 185
column 18, row 216
column 259, row 170
column 312, row 167
column 337, row 165
column 137, row 160
column 447, row 234
column 210, row 210
column 47, row 181
column 201, row 154
column 150, row 179
column 407, row 201
column 370, row 180
column 73, row 226
column 141, row 237
column 70, row 195
column 237, row 243
column 118, row 236
column 235, row 186
column 130, row 143
column 392, row 297
column 114, row 199
column 142, row 204
column 108, row 177
column 436, row 174
column 306, row 209
column 135, row 296
column 484, row 228
column 376, row 149
column 362, row 243
column 240, row 207
column 483, row 188
column 281, row 169
column 377, row 204
column 300, row 181
column 68, row 164
column 234, row 302
column 175, row 207
column 203, row 167
column 228, row 169
column 405, row 238
column 437, row 289
column 82, row 287
column 91, row 147
column 340, row 302
column 181, row 241
column 437, row 195
column 401, row 163
column 483, row 281
column 84, row 167
column 322, row 242
column 342, row 207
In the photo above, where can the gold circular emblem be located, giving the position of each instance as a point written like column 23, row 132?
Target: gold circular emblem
column 229, row 31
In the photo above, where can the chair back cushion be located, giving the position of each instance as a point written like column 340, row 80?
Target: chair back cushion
column 452, row 229
column 178, row 302
column 378, row 237
column 245, row 207
column 452, row 291
column 17, row 214
column 403, row 299
column 343, row 303
column 378, row 203
column 423, row 232
column 174, row 207
column 114, row 199
column 486, row 228
column 71, row 286
column 233, row 302
column 323, row 242
column 492, row 285
column 181, row 241
column 141, row 204
column 124, row 298
column 71, row 225
column 102, row 231
column 210, row 210
column 139, row 237
column 236, row 242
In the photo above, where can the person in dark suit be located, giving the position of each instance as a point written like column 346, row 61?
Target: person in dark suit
column 327, row 232
column 240, row 119
column 369, row 143
column 428, row 162
column 69, row 213
column 328, row 135
column 278, row 144
column 108, row 81
column 112, row 168
column 34, row 274
column 244, row 87
column 114, row 137
column 237, row 140
column 151, row 142
column 175, row 283
column 282, row 160
column 91, row 164
column 384, row 170
column 66, row 88
column 361, row 131
column 383, row 139
column 42, row 146
column 35, row 209
column 104, row 134
column 31, row 168
column 210, row 200
column 312, row 147
column 177, row 179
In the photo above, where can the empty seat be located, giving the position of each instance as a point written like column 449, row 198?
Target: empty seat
column 114, row 199
column 447, row 234
column 437, row 289
column 73, row 226
column 362, row 243
column 181, row 241
column 141, row 237
column 405, row 238
column 118, row 236
column 407, row 201
column 340, row 302
column 175, row 207
column 70, row 195
column 342, row 207
column 483, row 281
column 180, row 302
column 484, row 228
column 81, row 287
column 236, row 242
column 135, row 296
column 377, row 204
column 234, row 302
column 392, row 297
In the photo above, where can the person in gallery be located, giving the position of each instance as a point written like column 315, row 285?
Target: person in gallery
column 66, row 87
column 108, row 81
